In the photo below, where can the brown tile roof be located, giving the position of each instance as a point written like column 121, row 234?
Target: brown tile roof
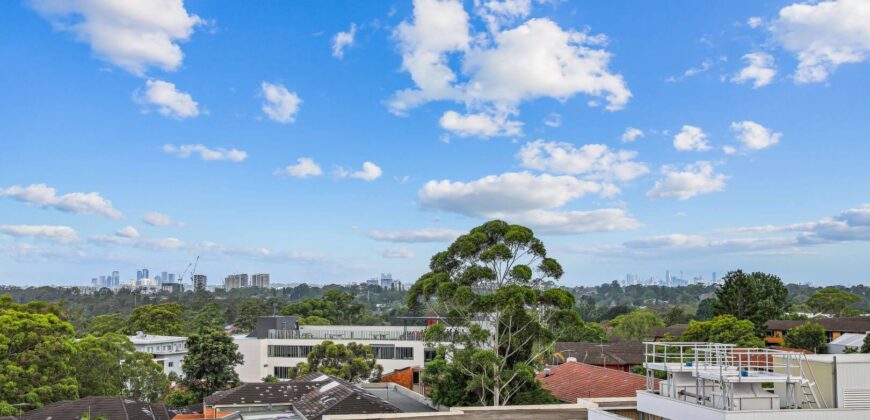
column 570, row 381
column 112, row 408
column 675, row 330
column 263, row 393
column 617, row 353
column 855, row 324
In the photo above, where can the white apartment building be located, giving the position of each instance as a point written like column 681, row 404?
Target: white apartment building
column 279, row 343
column 713, row 381
column 168, row 351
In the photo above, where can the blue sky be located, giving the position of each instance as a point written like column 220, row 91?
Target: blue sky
column 331, row 141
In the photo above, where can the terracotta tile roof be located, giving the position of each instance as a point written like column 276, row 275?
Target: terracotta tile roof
column 570, row 381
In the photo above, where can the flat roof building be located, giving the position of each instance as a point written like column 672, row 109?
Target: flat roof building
column 168, row 351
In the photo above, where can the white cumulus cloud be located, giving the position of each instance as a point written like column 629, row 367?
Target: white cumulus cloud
column 824, row 35
column 154, row 218
column 754, row 136
column 479, row 125
column 169, row 101
column 417, row 235
column 127, row 232
column 694, row 179
column 691, row 138
column 506, row 193
column 594, row 160
column 631, row 134
column 343, row 40
column 281, row 105
column 42, row 195
column 369, row 172
column 304, row 168
column 54, row 233
column 759, row 69
column 185, row 150
column 501, row 69
column 397, row 253
column 134, row 35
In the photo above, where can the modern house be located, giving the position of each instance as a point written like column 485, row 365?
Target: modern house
column 168, row 351
column 620, row 355
column 718, row 381
column 835, row 327
column 279, row 343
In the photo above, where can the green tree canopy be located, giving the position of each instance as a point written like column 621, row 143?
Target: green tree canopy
column 352, row 362
column 210, row 363
column 162, row 319
column 250, row 310
column 635, row 325
column 336, row 306
column 208, row 317
column 493, row 287
column 723, row 329
column 808, row 336
column 833, row 301
column 757, row 297
column 36, row 357
column 98, row 365
column 676, row 315
column 113, row 323
column 144, row 379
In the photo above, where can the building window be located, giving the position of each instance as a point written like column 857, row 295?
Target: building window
column 289, row 351
column 386, row 352
column 429, row 355
column 405, row 353
column 282, row 372
column 171, row 364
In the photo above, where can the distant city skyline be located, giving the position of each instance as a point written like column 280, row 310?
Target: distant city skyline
column 322, row 142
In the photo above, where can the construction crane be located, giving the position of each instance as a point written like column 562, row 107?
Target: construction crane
column 195, row 263
column 181, row 278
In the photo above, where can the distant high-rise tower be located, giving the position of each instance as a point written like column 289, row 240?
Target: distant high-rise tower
column 171, row 278
column 146, row 274
column 164, row 278
column 235, row 281
column 116, row 279
column 260, row 280
column 199, row 282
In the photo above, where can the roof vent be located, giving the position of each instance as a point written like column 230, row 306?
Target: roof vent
column 547, row 372
column 571, row 360
column 140, row 334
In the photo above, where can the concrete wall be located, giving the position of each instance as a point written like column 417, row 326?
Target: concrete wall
column 257, row 364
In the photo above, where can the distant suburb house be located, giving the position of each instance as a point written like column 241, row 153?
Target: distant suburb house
column 619, row 355
column 168, row 351
column 668, row 333
column 777, row 330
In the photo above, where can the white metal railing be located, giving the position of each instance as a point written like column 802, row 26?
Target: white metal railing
column 726, row 363
column 349, row 334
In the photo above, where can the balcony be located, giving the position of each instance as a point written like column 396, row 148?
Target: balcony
column 351, row 333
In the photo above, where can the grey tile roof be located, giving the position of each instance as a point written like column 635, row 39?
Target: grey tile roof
column 112, row 408
column 312, row 396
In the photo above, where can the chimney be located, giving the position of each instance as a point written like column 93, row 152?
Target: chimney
column 547, row 372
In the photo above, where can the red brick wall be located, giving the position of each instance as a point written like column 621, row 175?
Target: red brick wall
column 404, row 377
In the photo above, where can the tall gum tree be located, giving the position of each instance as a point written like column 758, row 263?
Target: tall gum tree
column 494, row 289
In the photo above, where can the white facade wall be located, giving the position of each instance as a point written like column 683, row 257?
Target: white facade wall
column 168, row 352
column 257, row 364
